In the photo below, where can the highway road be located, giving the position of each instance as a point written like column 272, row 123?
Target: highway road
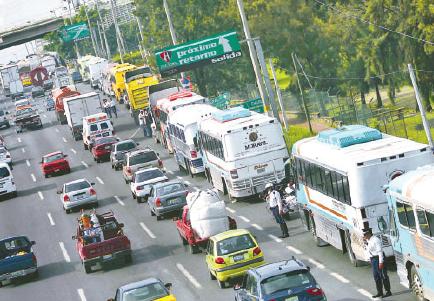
column 157, row 250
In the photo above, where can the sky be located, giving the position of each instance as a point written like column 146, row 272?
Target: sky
column 17, row 12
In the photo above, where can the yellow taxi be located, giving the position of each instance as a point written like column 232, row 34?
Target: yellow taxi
column 230, row 254
column 148, row 289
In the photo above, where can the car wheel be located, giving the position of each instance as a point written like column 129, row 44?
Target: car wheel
column 85, row 146
column 128, row 259
column 159, row 217
column 68, row 211
column 222, row 284
column 46, row 176
column 113, row 166
column 152, row 212
column 139, row 199
column 87, row 268
column 211, row 276
column 126, row 181
column 194, row 249
column 98, row 160
column 183, row 240
column 14, row 194
column 134, row 196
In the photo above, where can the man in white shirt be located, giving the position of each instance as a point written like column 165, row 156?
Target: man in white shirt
column 379, row 270
column 274, row 201
column 113, row 107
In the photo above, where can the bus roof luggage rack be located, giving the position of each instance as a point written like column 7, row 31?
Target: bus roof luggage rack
column 231, row 114
column 349, row 135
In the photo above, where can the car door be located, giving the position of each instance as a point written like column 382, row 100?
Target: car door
column 210, row 254
column 251, row 289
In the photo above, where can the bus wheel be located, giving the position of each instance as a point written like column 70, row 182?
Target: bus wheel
column 416, row 284
column 354, row 261
column 225, row 188
column 208, row 175
column 319, row 242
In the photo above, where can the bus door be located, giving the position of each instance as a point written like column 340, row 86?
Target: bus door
column 393, row 234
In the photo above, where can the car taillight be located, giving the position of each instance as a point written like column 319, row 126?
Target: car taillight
column 256, row 251
column 160, row 163
column 158, row 202
column 34, row 259
column 193, row 154
column 187, row 192
column 66, row 198
column 219, row 260
column 129, row 170
column 92, row 191
column 315, row 291
column 8, row 156
column 234, row 174
column 140, row 187
column 113, row 132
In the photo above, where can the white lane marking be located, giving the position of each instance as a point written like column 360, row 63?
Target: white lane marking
column 80, row 292
column 274, row 237
column 135, row 133
column 295, row 250
column 170, row 172
column 23, row 150
column 51, row 219
column 230, row 210
column 45, row 116
column 187, row 275
column 41, row 196
column 364, row 292
column 28, row 163
column 100, row 180
column 257, row 227
column 84, row 164
column 340, row 277
column 244, row 218
column 74, row 151
column 64, row 139
column 179, row 178
column 57, row 130
column 317, row 264
column 33, row 177
column 65, row 253
column 118, row 199
column 146, row 229
column 187, row 182
column 19, row 139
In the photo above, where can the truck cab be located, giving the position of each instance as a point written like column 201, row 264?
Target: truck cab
column 96, row 125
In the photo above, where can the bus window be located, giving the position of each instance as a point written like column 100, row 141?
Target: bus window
column 410, row 216
column 401, row 214
column 328, row 182
column 346, row 187
column 430, row 218
column 423, row 222
column 406, row 215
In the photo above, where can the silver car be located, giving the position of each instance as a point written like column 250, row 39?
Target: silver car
column 5, row 156
column 140, row 159
column 143, row 180
column 77, row 194
column 119, row 151
column 167, row 197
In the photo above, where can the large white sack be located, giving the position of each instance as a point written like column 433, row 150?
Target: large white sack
column 207, row 211
column 208, row 228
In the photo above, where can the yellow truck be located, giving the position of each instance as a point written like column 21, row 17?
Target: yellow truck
column 118, row 80
column 137, row 82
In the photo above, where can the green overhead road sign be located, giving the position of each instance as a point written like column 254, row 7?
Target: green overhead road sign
column 211, row 50
column 254, row 105
column 221, row 102
column 74, row 32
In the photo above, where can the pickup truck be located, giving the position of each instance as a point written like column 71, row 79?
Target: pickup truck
column 17, row 259
column 188, row 235
column 103, row 243
column 27, row 117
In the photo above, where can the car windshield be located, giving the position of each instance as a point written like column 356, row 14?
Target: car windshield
column 4, row 172
column 24, row 111
column 150, row 292
column 11, row 246
column 2, row 113
column 148, row 175
column 53, row 158
column 93, row 127
column 171, row 188
column 235, row 244
column 105, row 140
column 125, row 146
column 286, row 281
column 142, row 158
column 76, row 186
column 2, row 150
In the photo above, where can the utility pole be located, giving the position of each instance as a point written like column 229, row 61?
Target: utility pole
column 169, row 19
column 279, row 95
column 121, row 37
column 77, row 53
column 266, row 76
column 90, row 31
column 306, row 110
column 253, row 56
column 421, row 107
column 142, row 40
column 101, row 28
column 117, row 31
column 101, row 40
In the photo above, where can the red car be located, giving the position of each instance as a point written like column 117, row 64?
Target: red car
column 102, row 147
column 55, row 163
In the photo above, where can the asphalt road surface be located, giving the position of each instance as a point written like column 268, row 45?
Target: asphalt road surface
column 157, row 250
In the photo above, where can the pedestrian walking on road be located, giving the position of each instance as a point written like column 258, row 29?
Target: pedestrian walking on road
column 274, row 201
column 113, row 107
column 148, row 122
column 107, row 109
column 377, row 262
column 142, row 122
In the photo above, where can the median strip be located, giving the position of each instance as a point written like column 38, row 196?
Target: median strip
column 146, row 229
column 187, row 275
column 64, row 252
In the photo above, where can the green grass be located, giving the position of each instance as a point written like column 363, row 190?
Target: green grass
column 282, row 77
column 295, row 133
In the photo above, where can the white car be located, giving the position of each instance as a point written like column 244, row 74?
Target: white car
column 143, row 180
column 77, row 194
column 7, row 183
column 5, row 156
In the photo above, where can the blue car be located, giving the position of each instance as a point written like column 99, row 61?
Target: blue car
column 288, row 280
column 49, row 104
column 76, row 77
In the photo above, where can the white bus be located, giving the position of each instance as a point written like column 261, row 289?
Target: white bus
column 243, row 151
column 340, row 176
column 182, row 124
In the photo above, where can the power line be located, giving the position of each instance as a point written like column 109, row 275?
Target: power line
column 374, row 24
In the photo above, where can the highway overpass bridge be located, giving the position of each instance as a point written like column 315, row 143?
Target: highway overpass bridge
column 29, row 32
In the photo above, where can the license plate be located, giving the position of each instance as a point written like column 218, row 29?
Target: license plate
column 56, row 170
column 80, row 197
column 238, row 258
column 107, row 257
column 105, row 134
column 295, row 298
column 17, row 274
column 260, row 170
column 174, row 201
column 108, row 147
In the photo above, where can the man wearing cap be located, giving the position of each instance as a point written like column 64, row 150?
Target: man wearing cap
column 274, row 201
column 379, row 270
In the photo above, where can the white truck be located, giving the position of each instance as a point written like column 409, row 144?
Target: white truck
column 11, row 81
column 96, row 67
column 49, row 63
column 78, row 107
column 62, row 78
